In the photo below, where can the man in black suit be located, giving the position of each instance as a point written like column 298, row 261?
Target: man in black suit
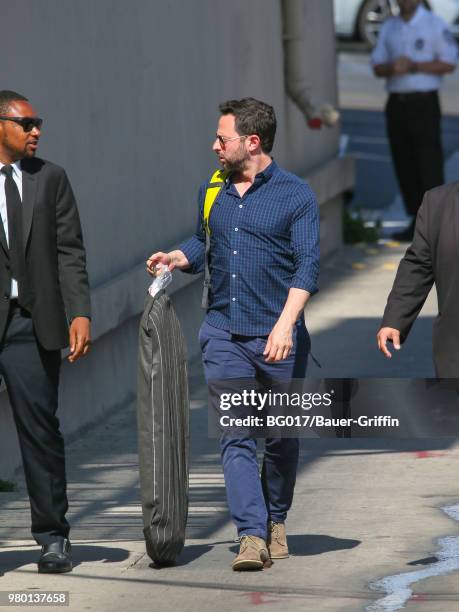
column 433, row 257
column 44, row 307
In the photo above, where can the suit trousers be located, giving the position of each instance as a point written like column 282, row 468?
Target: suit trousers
column 413, row 123
column 31, row 374
column 253, row 500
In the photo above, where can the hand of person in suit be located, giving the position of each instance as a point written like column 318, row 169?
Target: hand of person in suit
column 385, row 334
column 80, row 338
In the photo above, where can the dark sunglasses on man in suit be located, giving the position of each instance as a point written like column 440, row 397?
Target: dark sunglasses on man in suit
column 27, row 123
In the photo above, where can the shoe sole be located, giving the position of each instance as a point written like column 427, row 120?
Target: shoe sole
column 54, row 571
column 247, row 565
column 250, row 564
column 280, row 556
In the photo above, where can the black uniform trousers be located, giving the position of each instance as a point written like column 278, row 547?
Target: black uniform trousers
column 413, row 123
column 31, row 374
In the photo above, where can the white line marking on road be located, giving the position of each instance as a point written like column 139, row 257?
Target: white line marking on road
column 380, row 140
column 402, row 224
column 397, row 586
column 137, row 510
column 371, row 156
column 343, row 144
column 211, row 475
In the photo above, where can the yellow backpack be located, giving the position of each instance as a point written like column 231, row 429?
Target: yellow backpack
column 213, row 189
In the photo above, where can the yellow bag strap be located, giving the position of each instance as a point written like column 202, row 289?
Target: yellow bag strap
column 213, row 189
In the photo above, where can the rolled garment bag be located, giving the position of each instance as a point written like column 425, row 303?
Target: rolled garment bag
column 163, row 424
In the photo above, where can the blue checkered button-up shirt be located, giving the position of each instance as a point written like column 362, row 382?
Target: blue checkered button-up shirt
column 261, row 245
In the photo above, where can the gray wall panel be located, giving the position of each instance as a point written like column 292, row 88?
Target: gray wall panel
column 129, row 92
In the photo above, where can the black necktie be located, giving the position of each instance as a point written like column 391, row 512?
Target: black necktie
column 15, row 233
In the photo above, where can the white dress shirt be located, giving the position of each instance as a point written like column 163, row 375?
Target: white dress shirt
column 424, row 38
column 17, row 176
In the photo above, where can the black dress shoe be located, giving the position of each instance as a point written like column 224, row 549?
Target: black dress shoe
column 55, row 557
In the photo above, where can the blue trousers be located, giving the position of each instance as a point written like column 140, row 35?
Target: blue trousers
column 252, row 500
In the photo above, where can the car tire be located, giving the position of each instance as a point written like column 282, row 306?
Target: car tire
column 367, row 29
column 371, row 16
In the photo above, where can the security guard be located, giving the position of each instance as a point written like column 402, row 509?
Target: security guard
column 414, row 50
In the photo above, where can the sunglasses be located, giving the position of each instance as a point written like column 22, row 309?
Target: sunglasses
column 223, row 139
column 27, row 123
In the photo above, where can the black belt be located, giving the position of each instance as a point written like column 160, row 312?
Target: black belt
column 412, row 95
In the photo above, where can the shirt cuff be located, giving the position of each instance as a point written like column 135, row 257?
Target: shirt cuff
column 307, row 284
column 78, row 316
column 194, row 250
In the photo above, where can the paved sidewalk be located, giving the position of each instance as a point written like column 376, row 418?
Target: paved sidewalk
column 344, row 317
column 362, row 510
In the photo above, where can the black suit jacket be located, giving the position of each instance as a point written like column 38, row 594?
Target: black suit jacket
column 432, row 258
column 54, row 252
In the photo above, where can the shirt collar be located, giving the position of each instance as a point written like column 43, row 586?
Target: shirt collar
column 267, row 173
column 419, row 13
column 260, row 177
column 17, row 170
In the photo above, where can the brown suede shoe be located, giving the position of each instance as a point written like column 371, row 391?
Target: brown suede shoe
column 277, row 541
column 252, row 554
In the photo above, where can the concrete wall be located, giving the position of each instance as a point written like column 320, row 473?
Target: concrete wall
column 129, row 94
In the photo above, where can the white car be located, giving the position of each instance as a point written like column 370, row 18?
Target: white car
column 362, row 19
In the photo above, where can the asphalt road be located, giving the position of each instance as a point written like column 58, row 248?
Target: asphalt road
column 376, row 185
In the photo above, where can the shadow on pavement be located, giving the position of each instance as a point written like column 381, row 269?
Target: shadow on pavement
column 309, row 545
column 425, row 561
column 11, row 560
column 317, row 544
column 190, row 553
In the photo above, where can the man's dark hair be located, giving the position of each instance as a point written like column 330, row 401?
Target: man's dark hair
column 253, row 117
column 6, row 98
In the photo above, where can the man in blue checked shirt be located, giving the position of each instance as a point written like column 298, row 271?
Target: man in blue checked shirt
column 264, row 265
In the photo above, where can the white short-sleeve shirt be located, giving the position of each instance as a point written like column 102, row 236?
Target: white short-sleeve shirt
column 426, row 37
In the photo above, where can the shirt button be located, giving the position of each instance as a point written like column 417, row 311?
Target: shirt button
column 236, row 229
column 233, row 275
column 234, row 299
column 235, row 252
column 241, row 206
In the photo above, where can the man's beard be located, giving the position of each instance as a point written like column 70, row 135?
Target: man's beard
column 14, row 152
column 239, row 164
